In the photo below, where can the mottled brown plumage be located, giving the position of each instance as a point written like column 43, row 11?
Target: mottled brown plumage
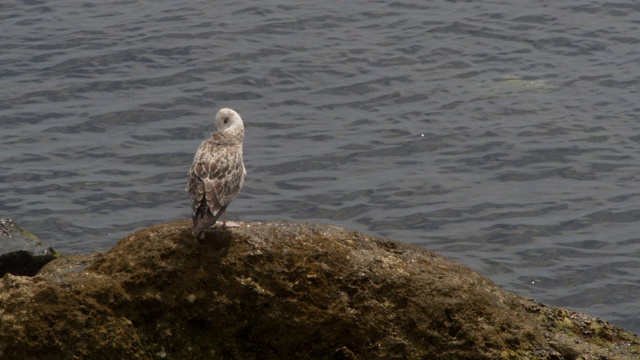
column 217, row 173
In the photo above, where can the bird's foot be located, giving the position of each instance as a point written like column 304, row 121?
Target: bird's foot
column 230, row 224
column 223, row 225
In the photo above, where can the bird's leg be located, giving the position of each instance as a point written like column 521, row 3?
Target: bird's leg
column 229, row 224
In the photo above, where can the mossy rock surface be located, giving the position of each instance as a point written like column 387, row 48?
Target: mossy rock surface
column 283, row 291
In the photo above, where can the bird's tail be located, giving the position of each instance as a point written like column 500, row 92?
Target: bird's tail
column 202, row 222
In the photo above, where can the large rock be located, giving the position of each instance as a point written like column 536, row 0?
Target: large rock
column 22, row 253
column 283, row 291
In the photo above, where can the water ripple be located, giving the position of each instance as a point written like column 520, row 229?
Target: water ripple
column 503, row 135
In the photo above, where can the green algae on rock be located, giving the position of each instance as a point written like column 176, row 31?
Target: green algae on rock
column 283, row 291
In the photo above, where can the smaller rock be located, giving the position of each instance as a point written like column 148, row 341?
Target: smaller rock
column 22, row 253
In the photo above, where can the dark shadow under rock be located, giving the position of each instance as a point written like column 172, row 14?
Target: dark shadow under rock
column 283, row 291
column 21, row 253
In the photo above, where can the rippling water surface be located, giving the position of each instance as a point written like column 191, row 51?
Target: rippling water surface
column 503, row 134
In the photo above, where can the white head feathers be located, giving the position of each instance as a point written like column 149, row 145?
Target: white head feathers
column 228, row 119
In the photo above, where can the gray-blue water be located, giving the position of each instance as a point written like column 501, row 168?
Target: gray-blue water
column 503, row 134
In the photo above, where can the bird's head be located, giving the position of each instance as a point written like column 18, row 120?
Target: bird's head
column 228, row 119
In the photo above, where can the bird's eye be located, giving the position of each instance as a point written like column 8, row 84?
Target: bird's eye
column 226, row 120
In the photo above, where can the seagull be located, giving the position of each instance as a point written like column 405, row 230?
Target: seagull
column 217, row 173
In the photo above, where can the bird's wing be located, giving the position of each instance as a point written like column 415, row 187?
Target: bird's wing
column 216, row 175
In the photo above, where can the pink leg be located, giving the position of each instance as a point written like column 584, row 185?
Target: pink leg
column 229, row 224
